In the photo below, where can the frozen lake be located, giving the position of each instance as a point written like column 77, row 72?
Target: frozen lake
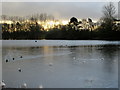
column 61, row 63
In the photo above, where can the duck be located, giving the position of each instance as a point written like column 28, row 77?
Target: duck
column 83, row 62
column 24, row 85
column 21, row 57
column 40, row 86
column 19, row 69
column 7, row 60
column 102, row 58
column 50, row 64
column 2, row 84
column 74, row 58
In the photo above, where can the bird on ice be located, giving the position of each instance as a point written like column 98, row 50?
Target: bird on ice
column 83, row 62
column 74, row 58
column 40, row 86
column 7, row 60
column 50, row 64
column 102, row 58
column 2, row 84
column 24, row 85
column 19, row 69
column 21, row 57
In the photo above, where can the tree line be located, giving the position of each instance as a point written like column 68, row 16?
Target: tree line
column 109, row 29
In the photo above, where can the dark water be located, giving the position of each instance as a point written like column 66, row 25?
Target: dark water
column 61, row 64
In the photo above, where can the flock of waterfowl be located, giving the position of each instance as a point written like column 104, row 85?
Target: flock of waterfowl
column 24, row 85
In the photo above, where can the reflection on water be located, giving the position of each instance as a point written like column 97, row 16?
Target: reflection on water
column 62, row 66
column 110, row 53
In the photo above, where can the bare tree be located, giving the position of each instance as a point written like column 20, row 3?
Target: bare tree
column 109, row 11
column 12, row 18
column 4, row 17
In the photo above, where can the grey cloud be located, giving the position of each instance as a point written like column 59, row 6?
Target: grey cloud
column 58, row 9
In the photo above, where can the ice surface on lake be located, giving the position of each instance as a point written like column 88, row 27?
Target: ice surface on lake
column 61, row 63
column 27, row 43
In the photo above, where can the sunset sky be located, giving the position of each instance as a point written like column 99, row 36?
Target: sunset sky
column 60, row 10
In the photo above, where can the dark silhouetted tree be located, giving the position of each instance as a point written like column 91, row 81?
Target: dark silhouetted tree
column 74, row 20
